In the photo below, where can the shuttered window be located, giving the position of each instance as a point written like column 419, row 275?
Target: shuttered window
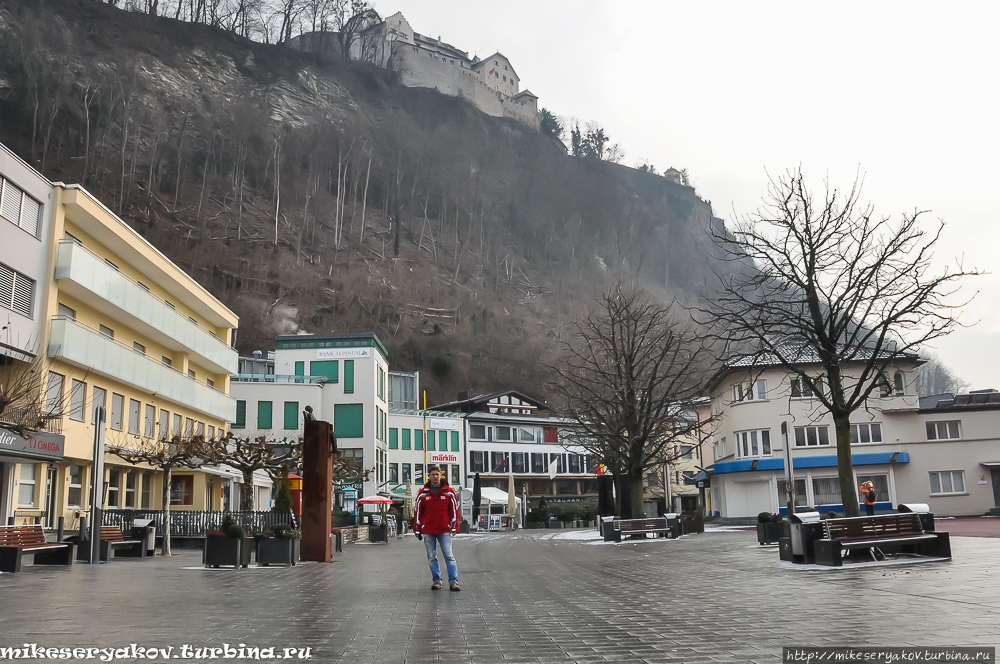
column 18, row 208
column 16, row 291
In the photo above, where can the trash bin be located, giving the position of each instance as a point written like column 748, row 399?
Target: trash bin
column 805, row 528
column 922, row 510
column 674, row 524
column 608, row 528
column 144, row 530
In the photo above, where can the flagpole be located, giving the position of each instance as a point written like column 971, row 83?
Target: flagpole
column 423, row 474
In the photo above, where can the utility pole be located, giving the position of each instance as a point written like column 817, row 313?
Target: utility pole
column 789, row 472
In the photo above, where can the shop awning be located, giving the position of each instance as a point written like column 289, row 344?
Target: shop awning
column 800, row 462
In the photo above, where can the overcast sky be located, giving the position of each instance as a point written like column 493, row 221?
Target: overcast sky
column 905, row 92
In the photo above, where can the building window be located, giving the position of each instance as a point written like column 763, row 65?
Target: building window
column 165, row 424
column 133, row 416
column 348, row 420
column 751, row 444
column 747, row 391
column 800, row 493
column 188, row 428
column 241, row 415
column 687, row 451
column 329, row 369
column 538, row 463
column 264, row 414
column 826, row 491
column 501, row 434
column 406, row 473
column 114, row 486
column 530, row 435
column 418, row 439
column 869, row 432
column 454, row 441
column 147, row 482
column 176, row 429
column 348, row 376
column 291, row 414
column 574, row 463
column 499, row 462
column 881, row 484
column 405, row 435
column 182, row 490
column 381, row 384
column 19, row 208
column 897, row 382
column 946, row 482
column 476, row 463
column 74, row 495
column 26, row 485
column 520, row 462
column 98, row 402
column 17, row 291
column 106, row 331
column 191, row 373
column 138, row 347
column 65, row 312
column 943, row 430
column 394, row 473
column 211, row 432
column 802, row 390
column 443, row 441
column 456, row 475
column 199, row 429
column 539, row 487
column 210, row 383
column 130, row 480
column 167, row 362
column 393, row 439
column 477, row 432
column 812, row 436
column 117, row 411
column 150, row 421
column 54, row 393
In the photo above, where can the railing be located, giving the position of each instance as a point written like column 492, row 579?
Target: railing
column 196, row 524
column 276, row 378
column 17, row 416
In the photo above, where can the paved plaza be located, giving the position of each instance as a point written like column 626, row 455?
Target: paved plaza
column 530, row 596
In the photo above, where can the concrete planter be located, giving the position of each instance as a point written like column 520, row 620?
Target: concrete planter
column 378, row 535
column 273, row 551
column 227, row 551
column 770, row 533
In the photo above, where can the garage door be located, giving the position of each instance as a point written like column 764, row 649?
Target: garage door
column 750, row 498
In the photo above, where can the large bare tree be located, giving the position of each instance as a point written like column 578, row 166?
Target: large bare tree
column 189, row 452
column 835, row 286
column 629, row 379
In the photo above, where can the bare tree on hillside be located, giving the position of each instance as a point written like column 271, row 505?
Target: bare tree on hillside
column 629, row 379
column 352, row 19
column 934, row 377
column 836, row 286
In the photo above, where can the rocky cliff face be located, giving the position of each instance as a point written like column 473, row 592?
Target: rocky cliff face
column 323, row 197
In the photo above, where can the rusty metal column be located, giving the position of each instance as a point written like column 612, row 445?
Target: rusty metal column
column 317, row 491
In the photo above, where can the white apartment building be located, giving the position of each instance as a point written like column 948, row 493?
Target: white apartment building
column 940, row 451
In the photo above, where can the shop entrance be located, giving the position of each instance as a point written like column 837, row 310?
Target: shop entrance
column 50, row 497
column 995, row 476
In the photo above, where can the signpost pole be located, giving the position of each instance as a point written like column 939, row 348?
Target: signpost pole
column 97, row 486
column 423, row 472
column 789, row 472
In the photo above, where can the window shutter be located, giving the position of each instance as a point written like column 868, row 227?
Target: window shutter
column 10, row 203
column 23, row 291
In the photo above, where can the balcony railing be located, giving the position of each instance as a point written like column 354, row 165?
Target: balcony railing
column 76, row 343
column 135, row 306
column 277, row 378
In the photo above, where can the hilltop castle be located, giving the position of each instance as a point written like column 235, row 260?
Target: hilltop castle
column 490, row 84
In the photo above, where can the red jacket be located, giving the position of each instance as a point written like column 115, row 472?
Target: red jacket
column 436, row 512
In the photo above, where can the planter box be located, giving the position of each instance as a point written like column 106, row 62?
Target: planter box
column 770, row 533
column 274, row 551
column 226, row 551
column 691, row 526
column 378, row 535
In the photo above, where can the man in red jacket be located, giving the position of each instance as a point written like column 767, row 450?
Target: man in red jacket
column 435, row 519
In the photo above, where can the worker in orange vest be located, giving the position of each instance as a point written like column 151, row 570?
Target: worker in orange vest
column 868, row 492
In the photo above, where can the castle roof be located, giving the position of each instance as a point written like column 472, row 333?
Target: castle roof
column 526, row 93
column 498, row 54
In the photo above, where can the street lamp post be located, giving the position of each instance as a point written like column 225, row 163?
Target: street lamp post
column 789, row 472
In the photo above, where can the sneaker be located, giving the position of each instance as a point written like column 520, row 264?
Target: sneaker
column 436, row 585
column 454, row 587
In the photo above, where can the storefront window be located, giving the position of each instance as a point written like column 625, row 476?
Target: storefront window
column 182, row 490
column 406, row 473
column 456, row 475
column 26, row 485
column 113, row 485
column 539, row 488
column 565, row 487
column 147, row 481
column 130, row 480
column 394, row 473
column 74, row 495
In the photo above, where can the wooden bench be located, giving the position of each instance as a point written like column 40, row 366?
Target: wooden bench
column 896, row 533
column 112, row 539
column 655, row 525
column 15, row 541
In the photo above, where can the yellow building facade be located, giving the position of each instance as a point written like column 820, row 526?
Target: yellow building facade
column 124, row 328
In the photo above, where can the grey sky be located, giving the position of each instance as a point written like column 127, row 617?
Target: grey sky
column 907, row 92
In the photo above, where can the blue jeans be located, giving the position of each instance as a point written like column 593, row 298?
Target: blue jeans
column 431, row 543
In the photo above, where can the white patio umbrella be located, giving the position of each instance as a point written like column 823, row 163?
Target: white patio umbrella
column 511, row 498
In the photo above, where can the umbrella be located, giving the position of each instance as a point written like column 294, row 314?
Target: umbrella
column 375, row 500
column 511, row 498
column 477, row 497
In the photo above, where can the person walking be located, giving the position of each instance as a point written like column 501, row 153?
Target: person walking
column 868, row 491
column 435, row 520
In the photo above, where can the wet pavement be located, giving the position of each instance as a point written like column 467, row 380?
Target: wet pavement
column 530, row 596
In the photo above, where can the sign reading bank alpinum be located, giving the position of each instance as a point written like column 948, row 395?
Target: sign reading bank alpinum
column 342, row 353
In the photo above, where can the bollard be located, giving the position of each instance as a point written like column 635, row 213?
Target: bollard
column 10, row 521
column 59, row 528
column 84, row 533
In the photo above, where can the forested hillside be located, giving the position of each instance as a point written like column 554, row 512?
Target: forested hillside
column 325, row 197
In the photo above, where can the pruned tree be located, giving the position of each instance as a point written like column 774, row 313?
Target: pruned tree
column 248, row 454
column 835, row 286
column 26, row 407
column 629, row 379
column 165, row 455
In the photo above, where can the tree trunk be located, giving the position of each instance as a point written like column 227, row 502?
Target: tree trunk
column 165, row 510
column 635, row 494
column 845, row 466
column 246, row 495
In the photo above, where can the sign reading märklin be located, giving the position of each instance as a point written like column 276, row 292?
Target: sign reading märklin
column 449, row 458
column 342, row 353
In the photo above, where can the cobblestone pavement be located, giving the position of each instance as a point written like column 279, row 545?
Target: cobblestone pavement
column 531, row 596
